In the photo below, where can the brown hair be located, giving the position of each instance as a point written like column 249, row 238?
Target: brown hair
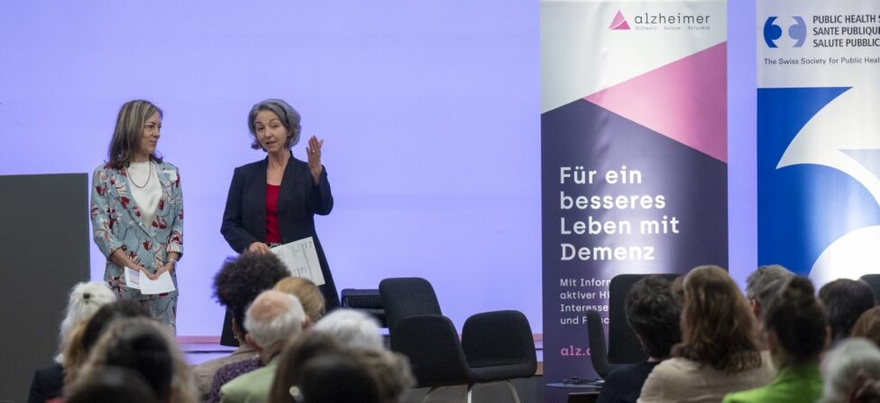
column 129, row 128
column 868, row 325
column 74, row 353
column 298, row 351
column 308, row 293
column 717, row 327
column 798, row 320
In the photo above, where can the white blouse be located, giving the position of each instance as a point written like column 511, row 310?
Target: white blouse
column 146, row 190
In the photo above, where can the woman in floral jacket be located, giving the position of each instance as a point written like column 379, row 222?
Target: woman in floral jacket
column 137, row 209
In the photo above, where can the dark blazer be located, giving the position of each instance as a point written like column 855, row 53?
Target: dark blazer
column 47, row 383
column 244, row 220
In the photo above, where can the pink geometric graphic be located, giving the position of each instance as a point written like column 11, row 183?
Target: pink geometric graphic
column 619, row 23
column 685, row 100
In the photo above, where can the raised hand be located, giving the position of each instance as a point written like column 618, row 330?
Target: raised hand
column 314, row 152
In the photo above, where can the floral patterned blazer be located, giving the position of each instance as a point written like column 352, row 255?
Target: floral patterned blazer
column 117, row 223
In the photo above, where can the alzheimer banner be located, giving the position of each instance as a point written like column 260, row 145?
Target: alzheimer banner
column 633, row 154
column 819, row 137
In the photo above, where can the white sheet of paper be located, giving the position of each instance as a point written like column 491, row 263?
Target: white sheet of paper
column 160, row 285
column 134, row 279
column 301, row 259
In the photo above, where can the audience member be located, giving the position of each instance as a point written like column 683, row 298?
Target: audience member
column 654, row 314
column 845, row 300
column 390, row 371
column 272, row 320
column 236, row 285
column 797, row 332
column 763, row 284
column 147, row 347
column 719, row 352
column 109, row 384
column 293, row 360
column 312, row 300
column 309, row 295
column 868, row 325
column 847, row 368
column 84, row 300
column 351, row 328
column 350, row 382
column 84, row 336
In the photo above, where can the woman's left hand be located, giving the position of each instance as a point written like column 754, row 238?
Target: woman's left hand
column 314, row 152
column 168, row 267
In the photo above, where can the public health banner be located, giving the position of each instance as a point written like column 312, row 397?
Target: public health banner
column 819, row 137
column 633, row 154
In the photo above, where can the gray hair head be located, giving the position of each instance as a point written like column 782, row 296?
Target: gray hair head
column 84, row 301
column 274, row 317
column 351, row 329
column 764, row 282
column 842, row 364
column 288, row 116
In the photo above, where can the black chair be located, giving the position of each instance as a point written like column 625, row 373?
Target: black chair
column 873, row 281
column 623, row 346
column 494, row 346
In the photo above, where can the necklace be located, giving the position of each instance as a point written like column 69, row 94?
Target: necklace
column 150, row 175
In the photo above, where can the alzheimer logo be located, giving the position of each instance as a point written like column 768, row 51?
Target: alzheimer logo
column 619, row 23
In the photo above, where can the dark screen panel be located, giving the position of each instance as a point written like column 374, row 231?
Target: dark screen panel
column 45, row 238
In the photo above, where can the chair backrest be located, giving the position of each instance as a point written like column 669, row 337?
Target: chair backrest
column 598, row 351
column 873, row 281
column 623, row 345
column 500, row 338
column 431, row 343
column 406, row 297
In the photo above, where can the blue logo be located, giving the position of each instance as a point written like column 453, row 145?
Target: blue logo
column 773, row 32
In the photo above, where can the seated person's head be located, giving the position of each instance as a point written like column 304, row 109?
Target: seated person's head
column 143, row 345
column 84, row 301
column 763, row 284
column 351, row 328
column 272, row 320
column 654, row 314
column 110, row 384
column 308, row 293
column 717, row 326
column 845, row 300
column 298, row 351
column 846, row 365
column 868, row 325
column 390, row 371
column 795, row 323
column 349, row 379
column 84, row 336
column 241, row 279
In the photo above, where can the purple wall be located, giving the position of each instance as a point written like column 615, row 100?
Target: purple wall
column 429, row 110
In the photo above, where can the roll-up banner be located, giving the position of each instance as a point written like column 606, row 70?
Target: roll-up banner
column 819, row 137
column 633, row 155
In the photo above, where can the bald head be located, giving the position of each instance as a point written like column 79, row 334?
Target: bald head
column 274, row 317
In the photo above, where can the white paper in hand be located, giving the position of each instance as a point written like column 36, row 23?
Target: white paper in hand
column 301, row 259
column 135, row 279
column 132, row 278
column 160, row 285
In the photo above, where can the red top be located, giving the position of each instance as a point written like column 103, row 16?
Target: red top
column 273, row 233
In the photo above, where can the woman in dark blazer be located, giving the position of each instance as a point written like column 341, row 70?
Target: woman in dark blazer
column 274, row 200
